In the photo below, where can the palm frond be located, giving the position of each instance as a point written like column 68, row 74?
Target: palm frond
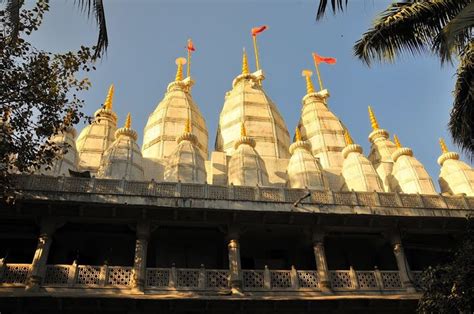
column 456, row 34
column 96, row 7
column 12, row 10
column 409, row 26
column 336, row 5
column 461, row 122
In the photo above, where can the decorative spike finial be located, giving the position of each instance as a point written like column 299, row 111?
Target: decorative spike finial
column 373, row 119
column 397, row 141
column 298, row 137
column 309, row 84
column 179, row 71
column 128, row 121
column 187, row 126
column 444, row 147
column 245, row 64
column 348, row 138
column 243, row 131
column 110, row 97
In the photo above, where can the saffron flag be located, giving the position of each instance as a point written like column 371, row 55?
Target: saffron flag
column 258, row 30
column 191, row 45
column 318, row 59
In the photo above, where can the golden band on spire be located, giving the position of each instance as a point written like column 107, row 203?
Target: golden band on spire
column 397, row 141
column 298, row 137
column 110, row 97
column 179, row 71
column 309, row 84
column 187, row 126
column 444, row 147
column 348, row 138
column 373, row 119
column 245, row 64
column 243, row 131
column 128, row 121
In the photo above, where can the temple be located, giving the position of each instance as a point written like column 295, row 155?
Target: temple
column 258, row 224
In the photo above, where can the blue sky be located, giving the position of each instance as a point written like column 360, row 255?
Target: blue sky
column 411, row 98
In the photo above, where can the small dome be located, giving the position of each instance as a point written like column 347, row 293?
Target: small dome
column 246, row 167
column 247, row 101
column 166, row 123
column 455, row 177
column 123, row 158
column 409, row 175
column 95, row 138
column 186, row 164
column 68, row 160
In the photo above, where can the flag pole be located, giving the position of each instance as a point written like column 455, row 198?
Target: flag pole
column 255, row 47
column 188, row 68
column 319, row 75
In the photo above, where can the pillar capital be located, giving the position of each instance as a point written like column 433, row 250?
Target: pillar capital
column 317, row 235
column 143, row 230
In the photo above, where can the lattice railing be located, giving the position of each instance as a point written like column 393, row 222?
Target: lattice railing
column 245, row 193
column 391, row 280
column 88, row 275
column 367, row 280
column 158, row 277
column 280, row 279
column 308, row 279
column 118, row 275
column 217, row 279
column 253, row 279
column 341, row 279
column 15, row 273
column 57, row 275
column 187, row 278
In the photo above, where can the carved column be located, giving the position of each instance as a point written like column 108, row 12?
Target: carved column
column 38, row 265
column 321, row 263
column 139, row 262
column 402, row 262
column 235, row 271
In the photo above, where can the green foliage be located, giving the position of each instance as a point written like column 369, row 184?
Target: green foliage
column 449, row 288
column 39, row 95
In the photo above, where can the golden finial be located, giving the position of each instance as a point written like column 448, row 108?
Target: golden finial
column 298, row 137
column 179, row 71
column 442, row 143
column 128, row 121
column 110, row 97
column 348, row 138
column 397, row 141
column 309, row 84
column 245, row 64
column 187, row 126
column 373, row 119
column 243, row 131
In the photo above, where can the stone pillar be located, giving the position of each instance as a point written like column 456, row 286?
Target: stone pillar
column 38, row 265
column 139, row 262
column 321, row 264
column 235, row 271
column 402, row 262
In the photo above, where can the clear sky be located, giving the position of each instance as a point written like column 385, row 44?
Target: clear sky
column 411, row 98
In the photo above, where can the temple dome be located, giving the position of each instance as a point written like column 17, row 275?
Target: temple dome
column 455, row 177
column 358, row 172
column 186, row 164
column 123, row 159
column 247, row 101
column 165, row 124
column 69, row 159
column 246, row 167
column 381, row 151
column 304, row 171
column 324, row 131
column 409, row 175
column 95, row 138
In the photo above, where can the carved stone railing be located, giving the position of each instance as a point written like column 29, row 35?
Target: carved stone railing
column 238, row 193
column 202, row 279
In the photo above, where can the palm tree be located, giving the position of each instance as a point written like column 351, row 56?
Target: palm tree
column 89, row 7
column 444, row 27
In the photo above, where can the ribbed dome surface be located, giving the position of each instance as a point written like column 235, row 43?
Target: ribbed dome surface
column 247, row 101
column 304, row 171
column 455, row 177
column 66, row 161
column 358, row 172
column 168, row 120
column 246, row 167
column 380, row 155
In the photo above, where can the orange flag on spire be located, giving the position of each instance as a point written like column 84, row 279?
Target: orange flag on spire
column 191, row 45
column 258, row 30
column 319, row 59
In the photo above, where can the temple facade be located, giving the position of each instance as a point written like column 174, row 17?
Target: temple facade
column 257, row 225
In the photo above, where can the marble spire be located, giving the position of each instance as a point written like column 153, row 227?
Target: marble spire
column 123, row 159
column 95, row 138
column 408, row 174
column 455, row 177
